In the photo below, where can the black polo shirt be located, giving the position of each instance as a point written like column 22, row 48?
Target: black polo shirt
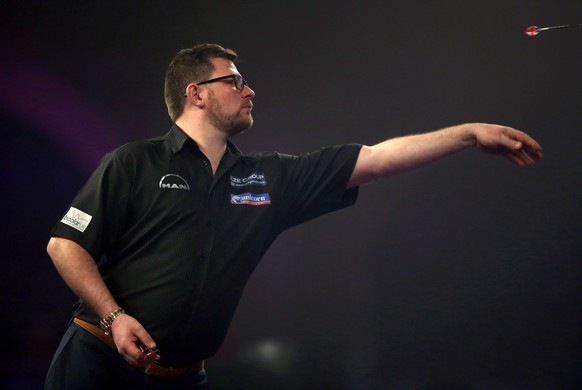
column 176, row 244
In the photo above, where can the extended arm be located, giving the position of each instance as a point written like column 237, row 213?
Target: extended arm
column 407, row 153
column 77, row 267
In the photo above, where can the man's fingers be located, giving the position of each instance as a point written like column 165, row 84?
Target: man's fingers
column 521, row 148
column 136, row 356
column 514, row 159
column 131, row 360
column 134, row 343
column 526, row 157
column 148, row 355
column 145, row 339
column 131, row 353
column 520, row 157
column 531, row 146
column 535, row 150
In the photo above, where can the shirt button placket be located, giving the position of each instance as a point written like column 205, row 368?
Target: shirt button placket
column 210, row 230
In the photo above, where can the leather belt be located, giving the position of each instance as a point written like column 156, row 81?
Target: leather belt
column 97, row 332
column 156, row 370
column 172, row 372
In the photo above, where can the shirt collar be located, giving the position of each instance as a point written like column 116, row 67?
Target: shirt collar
column 176, row 138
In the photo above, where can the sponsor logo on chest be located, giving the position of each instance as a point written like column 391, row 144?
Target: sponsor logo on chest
column 173, row 182
column 250, row 199
column 255, row 178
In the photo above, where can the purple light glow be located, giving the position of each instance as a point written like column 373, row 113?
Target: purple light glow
column 44, row 100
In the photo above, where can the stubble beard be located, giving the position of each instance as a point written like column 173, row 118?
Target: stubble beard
column 232, row 124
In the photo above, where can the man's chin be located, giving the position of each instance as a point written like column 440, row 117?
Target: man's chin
column 240, row 127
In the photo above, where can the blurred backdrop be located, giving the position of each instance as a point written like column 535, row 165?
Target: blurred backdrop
column 463, row 275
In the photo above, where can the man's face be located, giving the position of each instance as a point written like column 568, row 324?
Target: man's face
column 228, row 109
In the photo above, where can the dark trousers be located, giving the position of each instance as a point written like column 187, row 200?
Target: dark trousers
column 82, row 361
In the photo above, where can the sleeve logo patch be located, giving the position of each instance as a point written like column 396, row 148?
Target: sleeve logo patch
column 250, row 199
column 77, row 219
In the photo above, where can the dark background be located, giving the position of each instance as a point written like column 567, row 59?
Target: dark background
column 462, row 275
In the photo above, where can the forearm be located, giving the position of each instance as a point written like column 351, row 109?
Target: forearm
column 407, row 153
column 404, row 154
column 78, row 269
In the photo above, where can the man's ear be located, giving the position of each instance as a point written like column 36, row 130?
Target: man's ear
column 193, row 95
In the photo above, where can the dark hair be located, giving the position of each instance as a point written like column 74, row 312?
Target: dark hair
column 189, row 66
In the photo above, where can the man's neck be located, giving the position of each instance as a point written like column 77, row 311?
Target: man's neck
column 210, row 141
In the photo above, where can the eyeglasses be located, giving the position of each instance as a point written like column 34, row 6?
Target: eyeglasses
column 238, row 81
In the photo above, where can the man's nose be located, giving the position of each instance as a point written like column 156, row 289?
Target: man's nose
column 248, row 92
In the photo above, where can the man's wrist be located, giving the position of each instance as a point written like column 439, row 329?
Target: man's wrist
column 465, row 133
column 106, row 322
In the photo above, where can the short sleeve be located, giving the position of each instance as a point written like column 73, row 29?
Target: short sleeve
column 315, row 183
column 96, row 216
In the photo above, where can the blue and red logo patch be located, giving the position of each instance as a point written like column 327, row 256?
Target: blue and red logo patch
column 250, row 199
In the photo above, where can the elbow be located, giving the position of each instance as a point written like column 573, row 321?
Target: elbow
column 52, row 247
column 55, row 247
column 59, row 248
column 371, row 164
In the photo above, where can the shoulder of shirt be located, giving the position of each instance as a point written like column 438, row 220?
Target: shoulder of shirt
column 138, row 147
column 254, row 157
column 280, row 155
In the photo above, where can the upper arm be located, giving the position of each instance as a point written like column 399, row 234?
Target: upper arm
column 364, row 169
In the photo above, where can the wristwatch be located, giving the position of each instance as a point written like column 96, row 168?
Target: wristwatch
column 106, row 322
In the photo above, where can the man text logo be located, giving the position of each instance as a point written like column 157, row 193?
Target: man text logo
column 173, row 181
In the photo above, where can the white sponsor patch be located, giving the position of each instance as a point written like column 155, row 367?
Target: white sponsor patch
column 77, row 219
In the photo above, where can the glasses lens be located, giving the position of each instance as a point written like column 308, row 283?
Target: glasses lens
column 238, row 82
